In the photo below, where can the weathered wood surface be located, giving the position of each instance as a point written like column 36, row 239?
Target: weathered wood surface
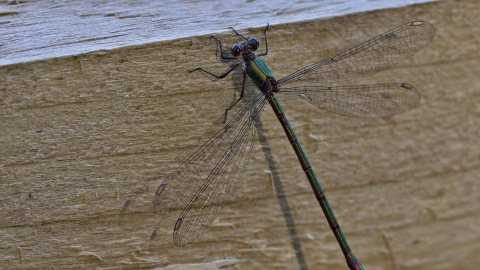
column 83, row 135
column 36, row 30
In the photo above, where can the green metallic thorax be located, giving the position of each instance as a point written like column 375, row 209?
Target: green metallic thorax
column 258, row 71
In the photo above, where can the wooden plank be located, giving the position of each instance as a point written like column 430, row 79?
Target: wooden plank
column 82, row 135
column 37, row 30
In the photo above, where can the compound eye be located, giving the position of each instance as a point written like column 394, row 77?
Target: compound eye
column 236, row 50
column 253, row 43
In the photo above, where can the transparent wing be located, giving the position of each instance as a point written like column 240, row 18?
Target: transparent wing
column 205, row 182
column 377, row 100
column 369, row 57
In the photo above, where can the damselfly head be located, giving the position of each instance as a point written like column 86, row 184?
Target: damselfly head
column 237, row 49
column 252, row 43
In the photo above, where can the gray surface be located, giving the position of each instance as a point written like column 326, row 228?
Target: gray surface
column 35, row 30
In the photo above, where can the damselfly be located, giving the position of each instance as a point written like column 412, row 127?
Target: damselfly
column 206, row 181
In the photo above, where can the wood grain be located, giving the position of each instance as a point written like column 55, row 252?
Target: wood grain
column 83, row 135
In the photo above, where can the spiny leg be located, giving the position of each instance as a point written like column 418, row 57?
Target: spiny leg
column 266, row 44
column 221, row 50
column 217, row 76
column 224, row 57
column 241, row 96
column 238, row 34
